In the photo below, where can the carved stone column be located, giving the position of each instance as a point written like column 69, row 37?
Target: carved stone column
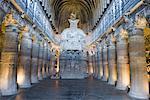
column 9, row 57
column 139, row 80
column 100, row 67
column 44, row 61
column 105, row 63
column 23, row 70
column 34, row 62
column 90, row 68
column 122, row 61
column 48, row 63
column 112, row 61
column 93, row 64
column 40, row 61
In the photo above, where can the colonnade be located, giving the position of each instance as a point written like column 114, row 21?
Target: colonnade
column 25, row 57
column 122, row 60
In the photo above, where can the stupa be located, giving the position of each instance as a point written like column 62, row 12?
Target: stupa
column 73, row 58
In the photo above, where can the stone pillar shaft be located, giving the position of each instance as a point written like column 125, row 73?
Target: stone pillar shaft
column 139, row 80
column 122, row 65
column 34, row 62
column 9, row 59
column 105, row 64
column 23, row 70
column 44, row 62
column 112, row 64
column 40, row 63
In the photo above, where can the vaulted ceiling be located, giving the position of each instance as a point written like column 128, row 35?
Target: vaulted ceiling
column 83, row 9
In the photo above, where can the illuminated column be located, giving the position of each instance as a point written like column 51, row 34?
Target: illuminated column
column 23, row 69
column 100, row 67
column 44, row 61
column 139, row 80
column 90, row 68
column 112, row 61
column 97, row 64
column 9, row 57
column 48, row 63
column 40, row 61
column 93, row 64
column 34, row 62
column 122, row 61
column 105, row 63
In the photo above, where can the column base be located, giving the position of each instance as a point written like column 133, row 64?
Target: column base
column 40, row 77
column 119, row 87
column 35, row 81
column 104, row 79
column 111, row 82
column 138, row 96
column 25, row 86
column 7, row 93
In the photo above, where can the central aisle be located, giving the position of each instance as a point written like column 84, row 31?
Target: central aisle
column 88, row 89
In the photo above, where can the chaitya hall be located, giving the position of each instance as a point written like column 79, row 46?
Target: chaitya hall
column 74, row 49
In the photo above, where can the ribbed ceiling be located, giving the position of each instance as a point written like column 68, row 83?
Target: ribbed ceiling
column 82, row 8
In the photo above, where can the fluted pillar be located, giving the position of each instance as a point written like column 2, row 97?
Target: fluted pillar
column 23, row 69
column 9, row 58
column 40, row 62
column 122, row 61
column 34, row 62
column 139, row 80
column 105, row 64
column 112, row 62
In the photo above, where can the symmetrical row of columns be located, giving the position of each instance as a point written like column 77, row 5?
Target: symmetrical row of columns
column 23, row 59
column 121, row 61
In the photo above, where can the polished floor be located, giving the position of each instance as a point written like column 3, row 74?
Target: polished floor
column 88, row 89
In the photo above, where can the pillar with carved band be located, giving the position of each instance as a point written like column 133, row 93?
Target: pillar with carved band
column 40, row 61
column 9, row 57
column 122, row 60
column 23, row 69
column 139, row 79
column 105, row 63
column 112, row 61
column 34, row 62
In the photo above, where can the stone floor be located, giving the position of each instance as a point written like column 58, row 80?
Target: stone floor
column 88, row 89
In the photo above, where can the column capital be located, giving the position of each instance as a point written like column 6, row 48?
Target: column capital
column 121, row 34
column 9, row 20
column 140, row 22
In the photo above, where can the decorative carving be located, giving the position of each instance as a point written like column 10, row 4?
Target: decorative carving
column 9, row 20
column 140, row 22
column 123, row 33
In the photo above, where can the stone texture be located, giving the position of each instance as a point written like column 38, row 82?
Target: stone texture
column 40, row 62
column 139, row 79
column 122, row 65
column 23, row 69
column 9, row 59
column 105, row 64
column 72, row 65
column 34, row 63
column 112, row 64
